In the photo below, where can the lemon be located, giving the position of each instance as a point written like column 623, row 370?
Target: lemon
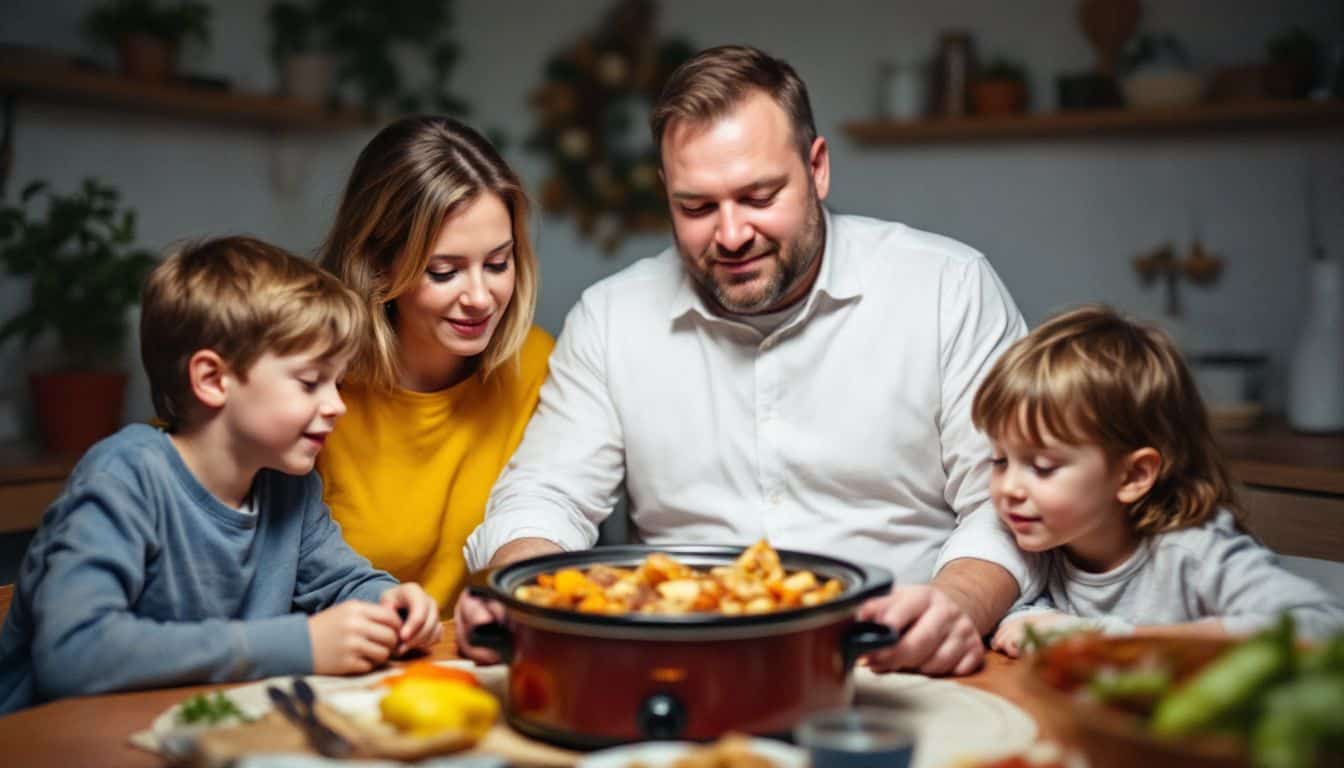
column 426, row 706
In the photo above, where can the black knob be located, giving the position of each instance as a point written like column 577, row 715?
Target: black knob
column 661, row 716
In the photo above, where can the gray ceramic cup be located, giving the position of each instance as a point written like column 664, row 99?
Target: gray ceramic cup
column 859, row 737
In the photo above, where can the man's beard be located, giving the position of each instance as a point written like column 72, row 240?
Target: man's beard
column 793, row 263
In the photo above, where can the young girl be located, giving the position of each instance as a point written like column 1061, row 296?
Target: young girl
column 432, row 233
column 1104, row 463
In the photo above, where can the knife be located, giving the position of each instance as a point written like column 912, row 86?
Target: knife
column 299, row 710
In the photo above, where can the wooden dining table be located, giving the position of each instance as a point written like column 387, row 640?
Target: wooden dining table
column 94, row 730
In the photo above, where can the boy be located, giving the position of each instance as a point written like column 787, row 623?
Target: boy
column 180, row 556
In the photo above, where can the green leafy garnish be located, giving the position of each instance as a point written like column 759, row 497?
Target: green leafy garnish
column 210, row 709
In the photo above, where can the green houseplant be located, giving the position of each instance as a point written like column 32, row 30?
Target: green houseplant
column 85, row 274
column 367, row 38
column 148, row 34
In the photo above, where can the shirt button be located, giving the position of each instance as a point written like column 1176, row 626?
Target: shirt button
column 775, row 499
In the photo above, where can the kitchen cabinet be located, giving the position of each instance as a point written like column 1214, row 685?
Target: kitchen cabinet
column 1291, row 486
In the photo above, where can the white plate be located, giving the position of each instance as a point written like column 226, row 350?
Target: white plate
column 658, row 754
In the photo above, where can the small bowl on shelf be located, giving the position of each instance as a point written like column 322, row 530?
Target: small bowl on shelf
column 1163, row 90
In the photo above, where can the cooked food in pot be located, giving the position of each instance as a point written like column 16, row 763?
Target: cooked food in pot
column 754, row 583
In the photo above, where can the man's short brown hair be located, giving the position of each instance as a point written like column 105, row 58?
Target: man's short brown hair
column 716, row 80
column 241, row 298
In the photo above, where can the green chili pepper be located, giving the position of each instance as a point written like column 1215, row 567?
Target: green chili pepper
column 1227, row 685
column 1145, row 685
column 1302, row 721
column 1327, row 659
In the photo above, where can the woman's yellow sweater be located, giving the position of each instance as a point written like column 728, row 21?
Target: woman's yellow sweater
column 407, row 474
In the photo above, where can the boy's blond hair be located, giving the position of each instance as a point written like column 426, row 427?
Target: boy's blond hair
column 1091, row 376
column 241, row 298
column 410, row 178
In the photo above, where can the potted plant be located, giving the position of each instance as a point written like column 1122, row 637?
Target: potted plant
column 299, row 49
column 147, row 34
column 371, row 39
column 1000, row 89
column 85, row 274
column 1292, row 64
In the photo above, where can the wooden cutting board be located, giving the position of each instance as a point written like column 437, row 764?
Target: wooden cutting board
column 218, row 748
column 272, row 732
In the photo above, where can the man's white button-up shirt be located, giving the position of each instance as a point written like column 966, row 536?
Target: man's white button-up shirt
column 845, row 431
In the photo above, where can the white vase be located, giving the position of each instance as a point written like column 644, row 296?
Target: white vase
column 1316, row 373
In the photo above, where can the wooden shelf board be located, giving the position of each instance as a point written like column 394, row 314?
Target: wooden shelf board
column 1258, row 115
column 80, row 87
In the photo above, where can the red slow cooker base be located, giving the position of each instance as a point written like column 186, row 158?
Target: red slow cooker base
column 590, row 692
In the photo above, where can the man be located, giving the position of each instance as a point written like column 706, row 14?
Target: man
column 783, row 372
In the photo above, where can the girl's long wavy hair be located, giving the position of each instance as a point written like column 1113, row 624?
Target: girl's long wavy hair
column 1089, row 376
column 406, row 183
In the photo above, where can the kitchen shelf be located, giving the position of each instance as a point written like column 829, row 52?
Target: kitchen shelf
column 1204, row 118
column 71, row 84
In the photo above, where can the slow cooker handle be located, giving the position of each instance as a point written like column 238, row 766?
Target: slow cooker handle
column 494, row 636
column 865, row 637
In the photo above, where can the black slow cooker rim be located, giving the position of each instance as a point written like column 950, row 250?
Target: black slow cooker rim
column 498, row 583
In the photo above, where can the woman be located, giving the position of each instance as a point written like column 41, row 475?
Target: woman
column 432, row 231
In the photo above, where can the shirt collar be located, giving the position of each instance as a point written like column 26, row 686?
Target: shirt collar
column 837, row 284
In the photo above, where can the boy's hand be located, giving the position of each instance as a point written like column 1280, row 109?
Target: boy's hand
column 420, row 628
column 1012, row 633
column 353, row 637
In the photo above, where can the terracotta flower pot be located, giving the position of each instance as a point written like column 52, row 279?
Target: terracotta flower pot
column 998, row 97
column 77, row 409
column 147, row 58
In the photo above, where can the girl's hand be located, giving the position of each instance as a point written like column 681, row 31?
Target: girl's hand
column 420, row 627
column 1012, row 633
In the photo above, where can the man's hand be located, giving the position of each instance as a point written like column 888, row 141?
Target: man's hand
column 353, row 637
column 471, row 612
column 421, row 627
column 937, row 637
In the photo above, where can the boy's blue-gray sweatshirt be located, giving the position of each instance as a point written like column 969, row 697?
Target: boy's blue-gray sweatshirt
column 138, row 577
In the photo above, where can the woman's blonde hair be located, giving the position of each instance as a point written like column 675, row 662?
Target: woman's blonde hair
column 241, row 298
column 406, row 183
column 1091, row 376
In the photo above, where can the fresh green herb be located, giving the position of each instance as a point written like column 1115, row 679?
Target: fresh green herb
column 210, row 709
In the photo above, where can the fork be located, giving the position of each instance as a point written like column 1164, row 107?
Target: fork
column 299, row 709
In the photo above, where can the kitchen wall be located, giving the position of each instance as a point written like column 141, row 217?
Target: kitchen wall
column 1060, row 220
